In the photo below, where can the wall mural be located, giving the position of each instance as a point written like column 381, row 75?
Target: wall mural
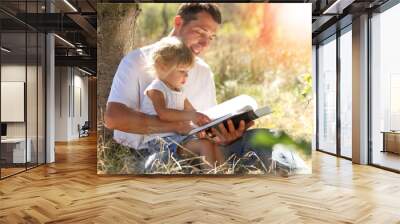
column 204, row 89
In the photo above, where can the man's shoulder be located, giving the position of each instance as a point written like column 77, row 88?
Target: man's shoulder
column 201, row 66
column 139, row 53
column 201, row 63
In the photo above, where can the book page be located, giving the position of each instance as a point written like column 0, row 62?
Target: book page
column 234, row 105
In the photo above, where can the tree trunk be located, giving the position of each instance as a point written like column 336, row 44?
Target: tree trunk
column 115, row 38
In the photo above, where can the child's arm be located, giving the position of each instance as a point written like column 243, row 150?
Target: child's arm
column 165, row 113
column 188, row 106
column 199, row 119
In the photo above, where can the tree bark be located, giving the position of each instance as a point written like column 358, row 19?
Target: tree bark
column 115, row 38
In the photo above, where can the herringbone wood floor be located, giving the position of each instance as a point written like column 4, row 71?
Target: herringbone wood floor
column 69, row 191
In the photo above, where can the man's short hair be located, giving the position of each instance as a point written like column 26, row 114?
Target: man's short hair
column 188, row 11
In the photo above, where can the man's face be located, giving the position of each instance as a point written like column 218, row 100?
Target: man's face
column 197, row 34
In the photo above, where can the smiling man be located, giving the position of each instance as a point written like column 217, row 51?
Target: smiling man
column 196, row 24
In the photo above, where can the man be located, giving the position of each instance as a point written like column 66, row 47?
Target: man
column 196, row 24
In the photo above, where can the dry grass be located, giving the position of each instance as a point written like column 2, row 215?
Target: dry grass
column 114, row 158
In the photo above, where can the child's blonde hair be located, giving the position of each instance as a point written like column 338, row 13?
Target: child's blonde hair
column 169, row 54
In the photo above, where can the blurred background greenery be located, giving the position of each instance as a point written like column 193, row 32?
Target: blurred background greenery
column 262, row 50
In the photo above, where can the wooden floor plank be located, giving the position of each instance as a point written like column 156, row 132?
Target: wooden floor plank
column 70, row 191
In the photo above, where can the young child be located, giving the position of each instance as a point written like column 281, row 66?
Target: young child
column 163, row 97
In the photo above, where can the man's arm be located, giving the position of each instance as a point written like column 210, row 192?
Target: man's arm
column 119, row 116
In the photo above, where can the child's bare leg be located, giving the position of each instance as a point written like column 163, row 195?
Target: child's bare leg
column 208, row 151
column 218, row 155
column 202, row 148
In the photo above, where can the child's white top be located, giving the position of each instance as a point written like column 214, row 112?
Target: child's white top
column 173, row 100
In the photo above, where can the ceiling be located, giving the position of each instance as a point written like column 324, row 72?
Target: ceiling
column 75, row 21
column 332, row 15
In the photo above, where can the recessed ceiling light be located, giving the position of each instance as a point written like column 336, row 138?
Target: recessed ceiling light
column 84, row 71
column 5, row 50
column 70, row 5
column 65, row 41
column 337, row 7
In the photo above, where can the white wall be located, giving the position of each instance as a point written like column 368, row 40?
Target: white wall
column 16, row 73
column 61, row 103
column 81, row 94
column 12, row 73
column 70, row 83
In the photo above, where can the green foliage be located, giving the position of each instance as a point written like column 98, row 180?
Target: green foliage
column 268, row 139
column 307, row 87
column 154, row 22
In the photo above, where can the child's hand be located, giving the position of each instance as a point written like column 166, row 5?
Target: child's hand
column 201, row 135
column 183, row 127
column 201, row 119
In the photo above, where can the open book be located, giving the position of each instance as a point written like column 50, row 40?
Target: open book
column 239, row 108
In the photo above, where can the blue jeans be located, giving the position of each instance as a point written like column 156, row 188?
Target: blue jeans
column 168, row 144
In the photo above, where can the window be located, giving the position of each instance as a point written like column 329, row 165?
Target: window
column 22, row 76
column 385, row 88
column 327, row 96
column 346, row 93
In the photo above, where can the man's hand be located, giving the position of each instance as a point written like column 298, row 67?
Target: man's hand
column 225, row 137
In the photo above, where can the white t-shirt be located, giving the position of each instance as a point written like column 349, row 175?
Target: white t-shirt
column 132, row 78
column 173, row 100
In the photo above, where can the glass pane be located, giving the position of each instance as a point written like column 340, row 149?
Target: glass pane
column 13, row 86
column 31, row 98
column 31, row 86
column 41, row 99
column 386, row 89
column 346, row 94
column 327, row 97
